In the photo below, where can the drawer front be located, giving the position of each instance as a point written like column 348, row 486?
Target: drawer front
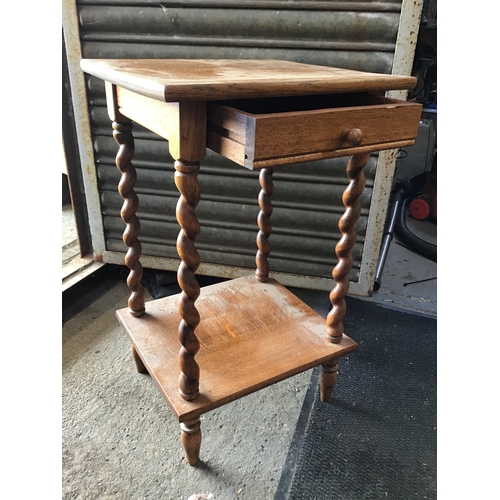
column 257, row 140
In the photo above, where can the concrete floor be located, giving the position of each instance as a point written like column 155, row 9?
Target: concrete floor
column 120, row 440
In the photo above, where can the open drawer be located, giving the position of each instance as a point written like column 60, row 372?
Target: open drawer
column 258, row 133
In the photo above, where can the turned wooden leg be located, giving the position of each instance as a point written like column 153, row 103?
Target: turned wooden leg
column 328, row 379
column 191, row 440
column 186, row 180
column 350, row 198
column 138, row 361
column 355, row 165
column 122, row 132
column 265, row 228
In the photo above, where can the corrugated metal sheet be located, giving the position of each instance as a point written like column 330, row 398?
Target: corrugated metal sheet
column 356, row 39
column 307, row 197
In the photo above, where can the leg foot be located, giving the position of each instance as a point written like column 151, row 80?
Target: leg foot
column 328, row 379
column 191, row 440
column 138, row 361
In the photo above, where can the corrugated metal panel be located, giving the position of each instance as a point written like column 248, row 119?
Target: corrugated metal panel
column 353, row 39
column 307, row 197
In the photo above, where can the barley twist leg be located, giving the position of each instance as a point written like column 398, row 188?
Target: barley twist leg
column 122, row 133
column 265, row 228
column 187, row 183
column 350, row 198
column 354, row 170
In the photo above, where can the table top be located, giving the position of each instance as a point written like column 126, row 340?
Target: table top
column 173, row 80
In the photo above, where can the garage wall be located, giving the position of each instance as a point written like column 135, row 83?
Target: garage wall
column 307, row 199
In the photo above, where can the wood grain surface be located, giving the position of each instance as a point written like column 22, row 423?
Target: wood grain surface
column 174, row 80
column 271, row 132
column 252, row 335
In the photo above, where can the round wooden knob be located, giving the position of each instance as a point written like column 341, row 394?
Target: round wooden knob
column 353, row 136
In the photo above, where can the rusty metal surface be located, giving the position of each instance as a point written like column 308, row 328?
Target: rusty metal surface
column 355, row 35
column 305, row 218
column 365, row 31
column 344, row 38
column 331, row 5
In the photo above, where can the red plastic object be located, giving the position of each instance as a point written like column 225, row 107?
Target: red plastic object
column 421, row 208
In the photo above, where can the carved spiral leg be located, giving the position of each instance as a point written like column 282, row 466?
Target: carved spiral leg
column 122, row 132
column 265, row 228
column 328, row 379
column 186, row 180
column 334, row 325
column 191, row 440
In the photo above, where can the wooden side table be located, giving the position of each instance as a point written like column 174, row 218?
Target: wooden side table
column 205, row 348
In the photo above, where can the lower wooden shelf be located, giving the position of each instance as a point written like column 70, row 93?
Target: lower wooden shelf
column 251, row 335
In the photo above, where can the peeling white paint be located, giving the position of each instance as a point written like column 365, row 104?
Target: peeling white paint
column 409, row 23
column 82, row 122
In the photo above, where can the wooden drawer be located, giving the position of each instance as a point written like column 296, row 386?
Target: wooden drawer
column 259, row 133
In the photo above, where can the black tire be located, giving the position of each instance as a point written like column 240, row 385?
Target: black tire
column 406, row 237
